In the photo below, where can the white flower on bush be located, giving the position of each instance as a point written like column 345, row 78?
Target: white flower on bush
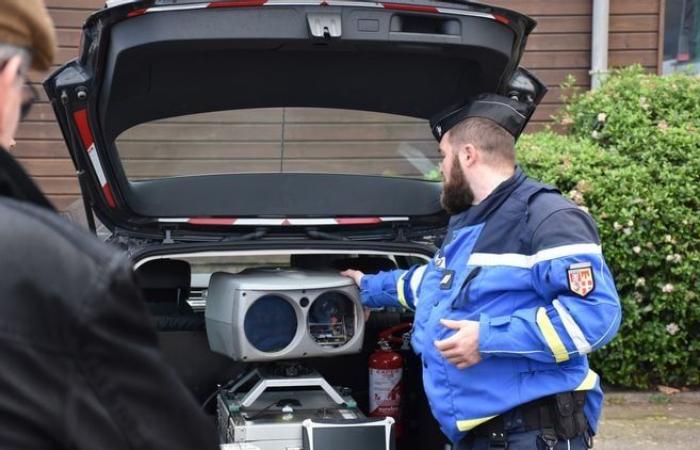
column 617, row 226
column 643, row 103
column 601, row 117
column 640, row 282
column 672, row 328
column 667, row 288
column 674, row 258
column 627, row 231
column 576, row 197
column 670, row 239
column 630, row 223
column 595, row 135
column 584, row 209
column 637, row 249
column 638, row 297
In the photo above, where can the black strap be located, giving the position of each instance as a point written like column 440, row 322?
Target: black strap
column 498, row 440
column 549, row 437
column 546, row 423
column 495, row 431
column 580, row 420
column 557, row 416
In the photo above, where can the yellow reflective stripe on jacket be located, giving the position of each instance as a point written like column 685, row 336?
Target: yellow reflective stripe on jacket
column 400, row 292
column 550, row 335
column 466, row 425
column 589, row 382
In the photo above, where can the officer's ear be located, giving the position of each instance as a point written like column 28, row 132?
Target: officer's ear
column 467, row 155
column 9, row 72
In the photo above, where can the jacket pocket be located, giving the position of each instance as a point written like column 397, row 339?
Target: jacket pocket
column 462, row 298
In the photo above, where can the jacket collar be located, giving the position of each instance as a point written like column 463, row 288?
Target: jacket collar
column 16, row 184
column 479, row 213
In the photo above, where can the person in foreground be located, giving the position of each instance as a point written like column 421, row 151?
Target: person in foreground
column 513, row 301
column 81, row 368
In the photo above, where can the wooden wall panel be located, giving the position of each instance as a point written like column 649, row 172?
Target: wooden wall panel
column 634, row 33
column 328, row 141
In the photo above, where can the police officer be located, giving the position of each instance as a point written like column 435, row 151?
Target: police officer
column 81, row 368
column 513, row 301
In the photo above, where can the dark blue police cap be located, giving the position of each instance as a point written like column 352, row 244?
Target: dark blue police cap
column 510, row 114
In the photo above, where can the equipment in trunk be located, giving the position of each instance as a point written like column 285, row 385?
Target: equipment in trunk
column 287, row 406
column 273, row 314
column 268, row 314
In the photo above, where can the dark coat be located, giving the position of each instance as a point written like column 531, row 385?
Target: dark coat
column 80, row 366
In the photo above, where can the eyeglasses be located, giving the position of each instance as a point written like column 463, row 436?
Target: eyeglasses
column 29, row 97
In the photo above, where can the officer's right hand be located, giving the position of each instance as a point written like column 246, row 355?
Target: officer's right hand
column 462, row 348
column 356, row 275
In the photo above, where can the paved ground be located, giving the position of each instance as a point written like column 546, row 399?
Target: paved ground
column 650, row 421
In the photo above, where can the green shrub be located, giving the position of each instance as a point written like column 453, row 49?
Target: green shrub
column 632, row 159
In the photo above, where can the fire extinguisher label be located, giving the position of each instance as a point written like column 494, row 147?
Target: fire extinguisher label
column 385, row 392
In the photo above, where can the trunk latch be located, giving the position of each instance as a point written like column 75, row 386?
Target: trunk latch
column 325, row 26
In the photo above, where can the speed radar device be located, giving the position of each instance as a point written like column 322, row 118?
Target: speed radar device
column 268, row 315
column 263, row 315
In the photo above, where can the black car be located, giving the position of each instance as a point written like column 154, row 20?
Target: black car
column 189, row 124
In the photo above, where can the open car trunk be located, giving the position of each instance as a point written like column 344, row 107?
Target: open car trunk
column 183, row 338
column 149, row 60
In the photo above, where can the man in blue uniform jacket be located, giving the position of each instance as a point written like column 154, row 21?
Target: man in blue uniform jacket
column 514, row 300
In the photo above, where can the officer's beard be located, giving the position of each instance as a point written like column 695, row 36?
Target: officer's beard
column 457, row 195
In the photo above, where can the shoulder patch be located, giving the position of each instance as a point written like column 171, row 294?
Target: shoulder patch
column 581, row 280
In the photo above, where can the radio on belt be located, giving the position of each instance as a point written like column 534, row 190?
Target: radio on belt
column 269, row 315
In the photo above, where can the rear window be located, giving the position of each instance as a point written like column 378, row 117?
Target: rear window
column 301, row 140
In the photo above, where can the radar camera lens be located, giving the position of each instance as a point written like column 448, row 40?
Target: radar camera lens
column 270, row 324
column 332, row 320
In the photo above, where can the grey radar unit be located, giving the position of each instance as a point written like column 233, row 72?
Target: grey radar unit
column 274, row 314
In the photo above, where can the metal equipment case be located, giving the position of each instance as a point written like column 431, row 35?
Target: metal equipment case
column 270, row 414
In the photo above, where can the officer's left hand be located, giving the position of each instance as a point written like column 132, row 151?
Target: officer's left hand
column 462, row 348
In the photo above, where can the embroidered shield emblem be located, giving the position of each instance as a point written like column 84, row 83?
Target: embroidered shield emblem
column 581, row 281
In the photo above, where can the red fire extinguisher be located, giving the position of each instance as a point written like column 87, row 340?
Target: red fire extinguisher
column 385, row 372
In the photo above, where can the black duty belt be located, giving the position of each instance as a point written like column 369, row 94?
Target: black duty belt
column 561, row 415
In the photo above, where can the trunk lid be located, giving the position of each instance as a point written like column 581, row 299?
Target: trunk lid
column 211, row 79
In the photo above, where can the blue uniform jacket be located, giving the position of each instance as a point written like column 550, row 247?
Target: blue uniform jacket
column 527, row 264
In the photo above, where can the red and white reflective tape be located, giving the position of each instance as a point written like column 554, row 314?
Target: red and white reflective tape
column 86, row 136
column 232, row 221
column 257, row 3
